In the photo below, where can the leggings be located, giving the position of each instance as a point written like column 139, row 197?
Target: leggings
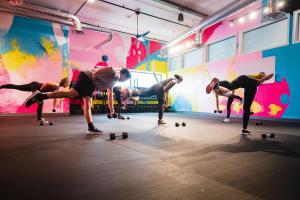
column 156, row 90
column 30, row 87
column 229, row 103
column 117, row 92
column 250, row 88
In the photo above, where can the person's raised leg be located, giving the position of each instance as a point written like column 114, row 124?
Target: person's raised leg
column 25, row 87
column 72, row 93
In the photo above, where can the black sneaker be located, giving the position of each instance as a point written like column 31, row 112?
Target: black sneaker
column 245, row 132
column 35, row 97
column 94, row 131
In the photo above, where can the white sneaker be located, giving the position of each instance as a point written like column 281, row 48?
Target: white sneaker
column 226, row 120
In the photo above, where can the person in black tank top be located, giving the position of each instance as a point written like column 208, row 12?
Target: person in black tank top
column 159, row 90
column 250, row 87
column 36, row 86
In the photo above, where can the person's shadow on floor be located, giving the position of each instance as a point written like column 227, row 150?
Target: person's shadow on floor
column 247, row 144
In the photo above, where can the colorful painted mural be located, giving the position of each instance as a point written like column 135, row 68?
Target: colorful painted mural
column 278, row 98
column 30, row 50
column 37, row 50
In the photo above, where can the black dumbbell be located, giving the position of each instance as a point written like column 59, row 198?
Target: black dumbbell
column 178, row 124
column 114, row 115
column 259, row 123
column 218, row 111
column 266, row 135
column 113, row 136
column 53, row 110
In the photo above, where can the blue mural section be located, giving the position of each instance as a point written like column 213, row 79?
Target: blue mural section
column 288, row 67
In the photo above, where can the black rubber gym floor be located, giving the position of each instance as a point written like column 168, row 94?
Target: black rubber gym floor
column 207, row 159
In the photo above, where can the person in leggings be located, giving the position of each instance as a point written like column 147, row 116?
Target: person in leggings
column 221, row 91
column 121, row 94
column 36, row 86
column 250, row 87
column 160, row 90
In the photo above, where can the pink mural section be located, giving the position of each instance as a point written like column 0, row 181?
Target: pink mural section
column 266, row 104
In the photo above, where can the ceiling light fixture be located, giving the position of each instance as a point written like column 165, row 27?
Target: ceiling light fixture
column 241, row 20
column 280, row 4
column 253, row 15
column 180, row 17
column 91, row 1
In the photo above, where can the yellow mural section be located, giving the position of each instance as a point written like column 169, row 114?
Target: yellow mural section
column 15, row 59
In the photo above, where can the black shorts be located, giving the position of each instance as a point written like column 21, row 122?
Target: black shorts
column 84, row 85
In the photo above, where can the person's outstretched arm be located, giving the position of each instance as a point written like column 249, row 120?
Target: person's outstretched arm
column 268, row 77
column 110, row 98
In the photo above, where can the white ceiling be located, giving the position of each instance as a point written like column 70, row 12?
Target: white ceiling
column 112, row 17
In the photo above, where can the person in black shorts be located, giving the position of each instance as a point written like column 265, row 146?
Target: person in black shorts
column 86, row 83
column 250, row 87
column 36, row 86
column 159, row 90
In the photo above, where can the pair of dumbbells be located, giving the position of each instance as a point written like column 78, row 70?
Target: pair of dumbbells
column 46, row 123
column 113, row 115
column 178, row 124
column 113, row 136
column 218, row 111
column 267, row 135
column 259, row 123
column 122, row 117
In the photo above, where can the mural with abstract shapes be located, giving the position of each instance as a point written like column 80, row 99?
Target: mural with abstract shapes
column 278, row 98
column 30, row 50
column 37, row 50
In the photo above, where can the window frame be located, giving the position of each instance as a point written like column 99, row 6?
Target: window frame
column 191, row 50
column 206, row 48
column 242, row 46
column 180, row 55
column 296, row 26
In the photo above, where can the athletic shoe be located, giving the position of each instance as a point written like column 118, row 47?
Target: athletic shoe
column 33, row 98
column 42, row 120
column 226, row 120
column 161, row 122
column 211, row 85
column 245, row 132
column 94, row 131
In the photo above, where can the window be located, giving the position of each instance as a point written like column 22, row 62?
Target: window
column 193, row 58
column 222, row 49
column 296, row 34
column 174, row 63
column 141, row 79
column 266, row 37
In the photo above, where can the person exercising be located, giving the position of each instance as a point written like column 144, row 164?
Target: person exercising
column 86, row 83
column 160, row 90
column 222, row 91
column 122, row 94
column 249, row 84
column 37, row 86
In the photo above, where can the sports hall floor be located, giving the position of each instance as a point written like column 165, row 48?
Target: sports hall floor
column 205, row 160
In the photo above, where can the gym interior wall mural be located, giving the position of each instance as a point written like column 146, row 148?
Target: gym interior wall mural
column 277, row 99
column 36, row 50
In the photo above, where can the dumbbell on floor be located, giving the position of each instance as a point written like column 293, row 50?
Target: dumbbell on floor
column 114, row 115
column 178, row 124
column 267, row 135
column 113, row 136
column 218, row 111
column 259, row 123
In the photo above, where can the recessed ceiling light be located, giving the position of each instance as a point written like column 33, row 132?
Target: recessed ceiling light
column 280, row 4
column 91, row 1
column 253, row 15
column 241, row 20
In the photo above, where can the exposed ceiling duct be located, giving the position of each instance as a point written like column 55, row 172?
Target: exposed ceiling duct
column 37, row 12
column 218, row 16
column 273, row 11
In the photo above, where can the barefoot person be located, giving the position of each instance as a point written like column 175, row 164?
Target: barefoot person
column 36, row 86
column 250, row 87
column 86, row 83
column 160, row 90
column 222, row 91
